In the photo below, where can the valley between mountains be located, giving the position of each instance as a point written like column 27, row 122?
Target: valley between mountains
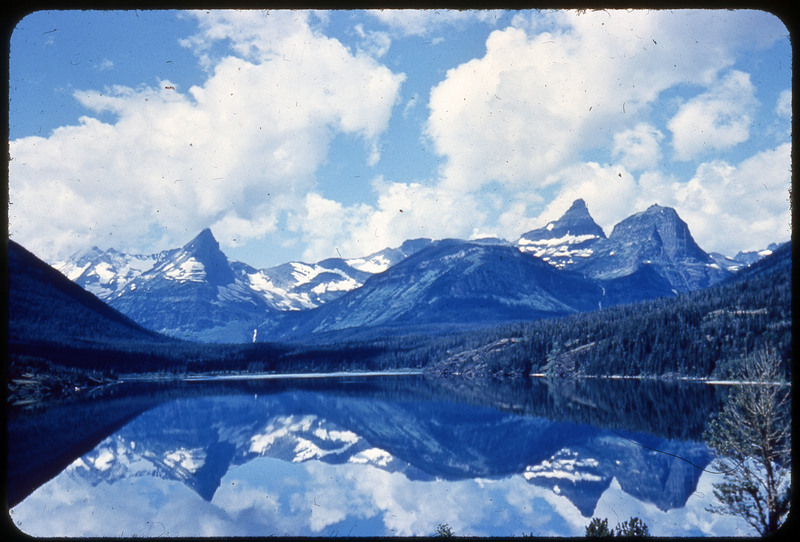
column 562, row 300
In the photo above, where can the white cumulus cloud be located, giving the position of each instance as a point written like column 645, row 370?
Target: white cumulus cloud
column 638, row 148
column 717, row 119
column 784, row 105
column 402, row 211
column 236, row 152
column 556, row 86
column 423, row 22
column 737, row 207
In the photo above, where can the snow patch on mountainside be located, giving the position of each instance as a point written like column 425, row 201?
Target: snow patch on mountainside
column 559, row 251
column 557, row 241
column 185, row 459
column 336, row 286
column 105, row 273
column 376, row 264
column 71, row 270
column 373, row 456
column 280, row 298
column 280, row 427
column 190, row 270
column 304, row 273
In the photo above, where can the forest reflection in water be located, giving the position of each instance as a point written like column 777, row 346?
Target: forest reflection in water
column 394, row 455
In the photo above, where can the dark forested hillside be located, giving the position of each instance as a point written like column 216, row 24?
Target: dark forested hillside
column 697, row 334
column 45, row 306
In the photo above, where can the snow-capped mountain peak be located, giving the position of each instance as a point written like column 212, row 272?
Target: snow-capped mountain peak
column 565, row 240
column 199, row 260
column 106, row 272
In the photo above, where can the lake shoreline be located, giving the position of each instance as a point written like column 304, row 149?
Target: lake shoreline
column 209, row 377
column 37, row 393
column 660, row 378
column 265, row 376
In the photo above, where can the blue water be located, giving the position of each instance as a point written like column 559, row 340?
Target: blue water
column 387, row 456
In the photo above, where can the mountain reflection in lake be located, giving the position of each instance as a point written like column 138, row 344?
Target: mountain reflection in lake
column 380, row 456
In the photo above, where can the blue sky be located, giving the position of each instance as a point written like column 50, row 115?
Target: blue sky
column 305, row 135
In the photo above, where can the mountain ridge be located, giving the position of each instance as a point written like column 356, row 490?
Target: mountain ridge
column 452, row 282
column 649, row 254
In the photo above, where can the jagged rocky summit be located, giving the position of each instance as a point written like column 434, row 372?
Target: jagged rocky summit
column 653, row 243
column 566, row 240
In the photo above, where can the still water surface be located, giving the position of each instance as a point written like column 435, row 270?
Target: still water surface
column 371, row 456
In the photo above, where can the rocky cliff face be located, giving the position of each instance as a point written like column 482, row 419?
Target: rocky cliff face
column 656, row 239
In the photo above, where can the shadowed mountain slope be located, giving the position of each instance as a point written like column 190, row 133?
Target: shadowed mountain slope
column 45, row 306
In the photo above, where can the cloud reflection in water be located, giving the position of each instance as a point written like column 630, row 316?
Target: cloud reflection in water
column 304, row 463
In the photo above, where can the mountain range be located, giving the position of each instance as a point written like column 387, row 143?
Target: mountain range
column 195, row 292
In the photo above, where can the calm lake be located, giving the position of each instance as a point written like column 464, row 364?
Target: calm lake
column 368, row 455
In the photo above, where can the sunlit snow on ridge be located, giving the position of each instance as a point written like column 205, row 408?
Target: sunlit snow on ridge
column 565, row 240
column 71, row 270
column 375, row 456
column 278, row 296
column 190, row 270
column 557, row 251
column 336, row 286
column 376, row 264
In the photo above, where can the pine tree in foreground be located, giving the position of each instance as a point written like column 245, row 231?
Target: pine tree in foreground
column 751, row 437
column 598, row 528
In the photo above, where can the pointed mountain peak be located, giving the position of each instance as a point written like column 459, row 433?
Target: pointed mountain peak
column 204, row 248
column 566, row 240
column 576, row 221
column 578, row 206
column 203, row 239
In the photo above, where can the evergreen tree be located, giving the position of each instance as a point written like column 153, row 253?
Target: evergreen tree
column 444, row 531
column 633, row 527
column 752, row 439
column 598, row 528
